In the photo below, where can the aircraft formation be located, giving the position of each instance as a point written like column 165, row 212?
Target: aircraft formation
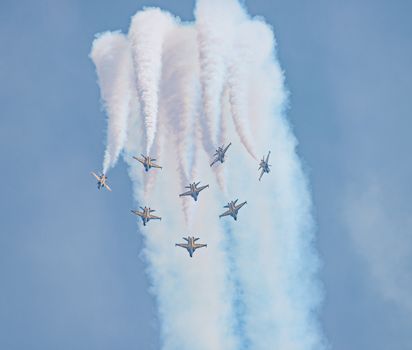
column 193, row 191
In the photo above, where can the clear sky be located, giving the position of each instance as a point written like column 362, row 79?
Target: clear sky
column 70, row 272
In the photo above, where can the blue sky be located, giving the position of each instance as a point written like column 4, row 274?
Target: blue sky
column 70, row 269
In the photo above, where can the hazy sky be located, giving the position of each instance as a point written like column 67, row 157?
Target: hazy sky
column 70, row 272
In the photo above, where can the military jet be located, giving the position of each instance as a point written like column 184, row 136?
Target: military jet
column 190, row 246
column 101, row 181
column 220, row 154
column 193, row 190
column 146, row 215
column 232, row 209
column 147, row 162
column 264, row 165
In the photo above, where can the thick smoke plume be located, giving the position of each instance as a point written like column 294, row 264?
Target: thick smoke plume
column 111, row 56
column 177, row 91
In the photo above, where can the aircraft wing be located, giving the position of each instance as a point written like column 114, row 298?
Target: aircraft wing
column 196, row 246
column 227, row 212
column 227, row 147
column 107, row 187
column 182, row 245
column 97, row 178
column 267, row 158
column 216, row 160
column 139, row 160
column 138, row 213
column 240, row 205
column 201, row 188
column 153, row 165
column 261, row 174
column 188, row 193
column 154, row 217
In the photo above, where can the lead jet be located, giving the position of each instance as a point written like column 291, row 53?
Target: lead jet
column 147, row 162
column 193, row 190
column 264, row 165
column 101, row 181
column 232, row 209
column 220, row 154
column 146, row 215
column 190, row 246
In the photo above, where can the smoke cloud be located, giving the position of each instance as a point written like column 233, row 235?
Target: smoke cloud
column 111, row 56
column 190, row 88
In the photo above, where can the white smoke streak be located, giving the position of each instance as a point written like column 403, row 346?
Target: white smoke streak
column 111, row 55
column 147, row 32
column 240, row 68
column 254, row 287
column 180, row 98
column 213, row 27
column 277, row 232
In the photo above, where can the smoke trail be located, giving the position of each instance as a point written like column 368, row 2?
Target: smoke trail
column 285, row 295
column 240, row 67
column 254, row 287
column 180, row 95
column 146, row 34
column 111, row 55
column 213, row 27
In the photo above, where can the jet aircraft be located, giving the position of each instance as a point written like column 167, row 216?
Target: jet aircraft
column 232, row 209
column 101, row 181
column 220, row 154
column 190, row 246
column 264, row 165
column 147, row 162
column 146, row 215
column 193, row 190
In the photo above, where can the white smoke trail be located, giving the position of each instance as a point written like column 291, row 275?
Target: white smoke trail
column 147, row 31
column 276, row 231
column 213, row 27
column 180, row 98
column 111, row 55
column 240, row 67
column 254, row 287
